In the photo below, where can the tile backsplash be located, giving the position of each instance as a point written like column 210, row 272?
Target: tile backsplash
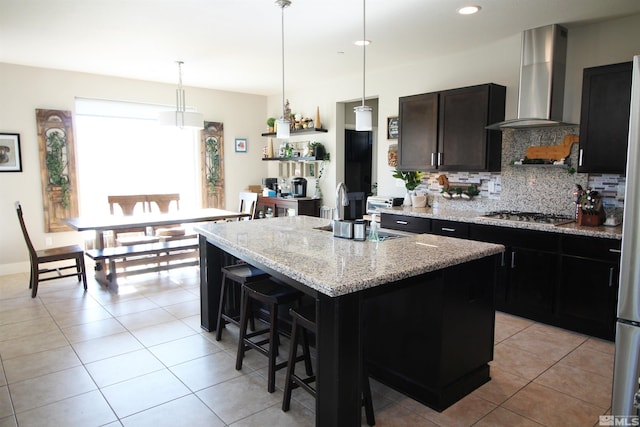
column 539, row 188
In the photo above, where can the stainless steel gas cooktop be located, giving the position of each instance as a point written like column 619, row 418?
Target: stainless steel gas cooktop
column 536, row 217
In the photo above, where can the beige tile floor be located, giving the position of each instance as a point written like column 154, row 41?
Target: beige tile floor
column 140, row 358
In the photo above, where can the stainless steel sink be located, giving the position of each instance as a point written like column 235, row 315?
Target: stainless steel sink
column 382, row 235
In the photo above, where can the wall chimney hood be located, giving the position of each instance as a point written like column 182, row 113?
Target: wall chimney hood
column 542, row 75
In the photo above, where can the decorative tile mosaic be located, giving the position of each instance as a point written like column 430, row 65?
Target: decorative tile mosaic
column 540, row 188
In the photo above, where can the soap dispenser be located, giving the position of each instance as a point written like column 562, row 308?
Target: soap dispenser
column 373, row 228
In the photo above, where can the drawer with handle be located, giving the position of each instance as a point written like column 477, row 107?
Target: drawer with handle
column 411, row 224
column 450, row 228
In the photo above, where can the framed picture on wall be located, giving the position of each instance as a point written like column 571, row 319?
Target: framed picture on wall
column 10, row 160
column 241, row 145
column 392, row 127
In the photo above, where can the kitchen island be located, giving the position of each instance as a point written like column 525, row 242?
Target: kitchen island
column 420, row 307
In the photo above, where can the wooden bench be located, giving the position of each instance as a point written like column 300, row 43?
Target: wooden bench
column 149, row 257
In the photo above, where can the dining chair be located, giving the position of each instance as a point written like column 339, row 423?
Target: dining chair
column 247, row 204
column 40, row 258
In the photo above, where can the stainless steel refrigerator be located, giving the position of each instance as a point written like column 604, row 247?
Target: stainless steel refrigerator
column 626, row 374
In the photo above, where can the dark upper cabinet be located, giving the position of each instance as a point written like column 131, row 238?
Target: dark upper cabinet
column 464, row 142
column 418, row 132
column 447, row 130
column 604, row 118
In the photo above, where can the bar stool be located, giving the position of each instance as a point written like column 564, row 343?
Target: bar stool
column 272, row 294
column 304, row 318
column 238, row 274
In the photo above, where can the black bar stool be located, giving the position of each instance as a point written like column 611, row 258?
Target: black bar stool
column 272, row 294
column 238, row 274
column 304, row 321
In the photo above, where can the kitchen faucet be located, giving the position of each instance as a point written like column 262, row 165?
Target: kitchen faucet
column 341, row 199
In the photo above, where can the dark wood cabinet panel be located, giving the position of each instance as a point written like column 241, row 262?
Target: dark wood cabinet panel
column 586, row 301
column 450, row 228
column 604, row 118
column 411, row 224
column 447, row 130
column 532, row 282
column 418, row 132
column 464, row 142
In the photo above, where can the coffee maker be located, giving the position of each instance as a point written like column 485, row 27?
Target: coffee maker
column 298, row 187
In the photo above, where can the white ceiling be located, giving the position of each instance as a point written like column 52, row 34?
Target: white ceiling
column 235, row 44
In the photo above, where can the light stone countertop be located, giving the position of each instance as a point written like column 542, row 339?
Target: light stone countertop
column 475, row 217
column 334, row 266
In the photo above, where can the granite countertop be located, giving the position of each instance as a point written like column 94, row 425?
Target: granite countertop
column 334, row 266
column 475, row 217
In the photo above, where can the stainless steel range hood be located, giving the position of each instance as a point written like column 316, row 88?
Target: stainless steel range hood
column 542, row 75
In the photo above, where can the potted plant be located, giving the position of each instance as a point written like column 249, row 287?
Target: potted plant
column 317, row 150
column 411, row 180
column 271, row 121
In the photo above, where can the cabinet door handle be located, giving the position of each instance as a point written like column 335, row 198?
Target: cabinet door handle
column 402, row 222
column 440, row 158
column 502, row 260
column 433, row 159
column 450, row 230
column 615, row 251
column 513, row 260
column 580, row 157
column 611, row 270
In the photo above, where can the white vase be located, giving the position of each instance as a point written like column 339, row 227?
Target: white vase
column 407, row 199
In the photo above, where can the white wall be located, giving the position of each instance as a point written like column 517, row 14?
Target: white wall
column 24, row 89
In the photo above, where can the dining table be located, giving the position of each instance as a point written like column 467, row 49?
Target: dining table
column 102, row 224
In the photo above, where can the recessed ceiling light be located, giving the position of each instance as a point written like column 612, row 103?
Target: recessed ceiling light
column 362, row 42
column 469, row 10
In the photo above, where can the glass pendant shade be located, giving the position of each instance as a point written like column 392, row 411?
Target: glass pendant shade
column 283, row 127
column 181, row 119
column 363, row 118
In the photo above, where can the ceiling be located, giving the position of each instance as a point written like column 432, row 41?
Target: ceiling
column 235, row 45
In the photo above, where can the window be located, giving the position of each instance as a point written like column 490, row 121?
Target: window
column 122, row 150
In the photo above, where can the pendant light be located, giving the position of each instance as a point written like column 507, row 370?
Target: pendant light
column 284, row 121
column 181, row 118
column 363, row 112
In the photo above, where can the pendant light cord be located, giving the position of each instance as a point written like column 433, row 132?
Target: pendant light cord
column 364, row 47
column 282, row 6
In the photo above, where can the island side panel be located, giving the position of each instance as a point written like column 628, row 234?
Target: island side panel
column 431, row 336
column 211, row 262
column 339, row 371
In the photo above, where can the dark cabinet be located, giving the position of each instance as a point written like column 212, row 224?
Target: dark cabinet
column 604, row 118
column 450, row 228
column 587, row 299
column 447, row 130
column 464, row 142
column 418, row 132
column 563, row 280
column 411, row 224
column 532, row 282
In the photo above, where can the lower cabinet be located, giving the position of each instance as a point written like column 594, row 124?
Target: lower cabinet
column 588, row 296
column 562, row 280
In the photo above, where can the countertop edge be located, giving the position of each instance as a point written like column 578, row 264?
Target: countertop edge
column 472, row 217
